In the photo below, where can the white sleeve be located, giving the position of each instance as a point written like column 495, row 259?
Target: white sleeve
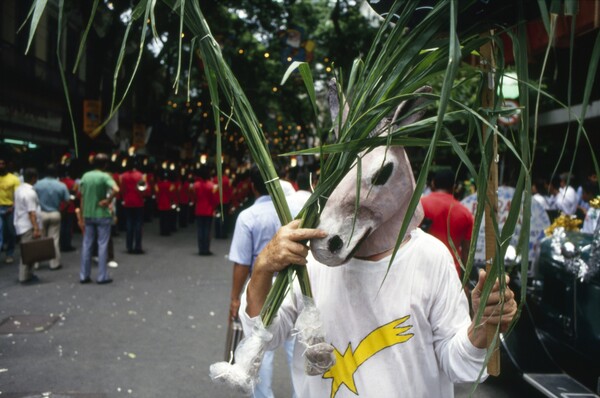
column 282, row 324
column 31, row 201
column 458, row 358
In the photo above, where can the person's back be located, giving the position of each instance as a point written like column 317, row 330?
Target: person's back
column 205, row 197
column 257, row 224
column 450, row 220
column 51, row 193
column 95, row 186
column 98, row 189
column 132, row 196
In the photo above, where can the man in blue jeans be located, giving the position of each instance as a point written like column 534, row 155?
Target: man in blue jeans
column 97, row 191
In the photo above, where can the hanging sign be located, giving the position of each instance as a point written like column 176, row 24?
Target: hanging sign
column 92, row 116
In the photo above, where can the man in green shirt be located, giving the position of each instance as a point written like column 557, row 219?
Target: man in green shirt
column 97, row 191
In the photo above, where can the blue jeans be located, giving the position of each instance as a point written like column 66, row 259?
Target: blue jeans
column 7, row 229
column 134, row 218
column 263, row 389
column 95, row 229
column 203, row 224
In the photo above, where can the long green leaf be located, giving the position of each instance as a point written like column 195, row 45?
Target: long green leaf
column 38, row 11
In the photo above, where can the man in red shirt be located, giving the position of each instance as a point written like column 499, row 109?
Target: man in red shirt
column 163, row 189
column 132, row 182
column 206, row 194
column 451, row 222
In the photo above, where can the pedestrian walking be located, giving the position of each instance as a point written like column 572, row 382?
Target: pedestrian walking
column 254, row 228
column 52, row 195
column 27, row 220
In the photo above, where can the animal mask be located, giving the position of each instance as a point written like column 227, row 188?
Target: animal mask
column 386, row 186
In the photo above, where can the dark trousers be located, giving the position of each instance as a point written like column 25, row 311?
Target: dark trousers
column 222, row 223
column 203, row 224
column 66, row 231
column 7, row 229
column 134, row 218
column 149, row 209
column 120, row 216
column 164, row 218
column 173, row 216
column 184, row 215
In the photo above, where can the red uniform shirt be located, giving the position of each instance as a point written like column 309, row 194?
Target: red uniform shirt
column 163, row 195
column 448, row 215
column 184, row 193
column 70, row 205
column 132, row 196
column 206, row 198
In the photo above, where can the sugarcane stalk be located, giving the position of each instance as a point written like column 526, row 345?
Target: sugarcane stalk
column 491, row 203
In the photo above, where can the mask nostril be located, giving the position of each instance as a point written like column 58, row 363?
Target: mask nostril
column 335, row 244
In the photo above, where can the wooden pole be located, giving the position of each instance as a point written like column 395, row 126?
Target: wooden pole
column 491, row 206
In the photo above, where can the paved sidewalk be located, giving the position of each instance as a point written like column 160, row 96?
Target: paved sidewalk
column 152, row 333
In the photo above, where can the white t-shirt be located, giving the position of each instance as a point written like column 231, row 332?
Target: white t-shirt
column 26, row 200
column 566, row 200
column 405, row 336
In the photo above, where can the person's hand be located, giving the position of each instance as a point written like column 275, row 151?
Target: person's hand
column 36, row 233
column 286, row 248
column 234, row 308
column 104, row 203
column 500, row 309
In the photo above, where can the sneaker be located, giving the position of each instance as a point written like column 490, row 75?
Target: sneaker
column 9, row 260
column 104, row 282
column 112, row 264
column 86, row 280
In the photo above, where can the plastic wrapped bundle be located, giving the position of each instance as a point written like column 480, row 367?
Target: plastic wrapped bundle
column 242, row 375
column 309, row 331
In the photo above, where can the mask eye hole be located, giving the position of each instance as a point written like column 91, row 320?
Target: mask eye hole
column 382, row 175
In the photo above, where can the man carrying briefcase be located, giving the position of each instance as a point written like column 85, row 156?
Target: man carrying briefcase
column 27, row 220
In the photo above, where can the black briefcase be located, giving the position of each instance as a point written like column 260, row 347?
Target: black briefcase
column 36, row 250
column 234, row 334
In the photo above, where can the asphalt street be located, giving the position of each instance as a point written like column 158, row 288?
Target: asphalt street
column 153, row 332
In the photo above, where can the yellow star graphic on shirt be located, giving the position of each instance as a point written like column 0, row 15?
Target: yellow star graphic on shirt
column 347, row 364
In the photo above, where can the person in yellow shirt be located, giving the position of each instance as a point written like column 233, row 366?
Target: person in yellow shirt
column 8, row 184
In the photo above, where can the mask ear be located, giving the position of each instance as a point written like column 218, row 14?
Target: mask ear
column 411, row 111
column 334, row 107
column 408, row 112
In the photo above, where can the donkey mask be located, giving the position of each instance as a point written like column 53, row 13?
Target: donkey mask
column 386, row 186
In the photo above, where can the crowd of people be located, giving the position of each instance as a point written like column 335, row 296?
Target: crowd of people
column 109, row 196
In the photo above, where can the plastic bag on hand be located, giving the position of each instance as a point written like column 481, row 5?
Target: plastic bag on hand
column 242, row 376
column 318, row 355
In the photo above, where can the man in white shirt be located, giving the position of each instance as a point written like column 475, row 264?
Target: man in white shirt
column 27, row 219
column 565, row 196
